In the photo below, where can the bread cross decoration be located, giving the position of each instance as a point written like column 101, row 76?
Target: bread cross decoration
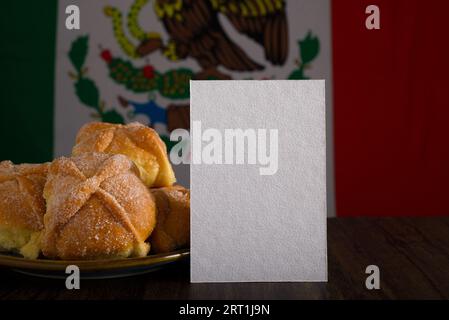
column 79, row 194
column 27, row 186
column 139, row 143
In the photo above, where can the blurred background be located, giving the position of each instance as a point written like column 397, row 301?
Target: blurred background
column 131, row 60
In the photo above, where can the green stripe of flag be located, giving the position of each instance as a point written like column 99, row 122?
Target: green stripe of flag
column 27, row 58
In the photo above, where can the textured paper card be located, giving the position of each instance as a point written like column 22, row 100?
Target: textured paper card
column 251, row 227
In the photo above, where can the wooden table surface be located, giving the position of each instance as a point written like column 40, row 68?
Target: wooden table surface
column 412, row 254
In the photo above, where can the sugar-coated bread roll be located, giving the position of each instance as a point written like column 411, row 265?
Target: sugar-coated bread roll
column 97, row 207
column 173, row 219
column 22, row 207
column 140, row 143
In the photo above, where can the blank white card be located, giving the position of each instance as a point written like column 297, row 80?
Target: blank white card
column 258, row 181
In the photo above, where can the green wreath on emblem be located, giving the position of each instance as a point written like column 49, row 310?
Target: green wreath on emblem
column 309, row 48
column 85, row 88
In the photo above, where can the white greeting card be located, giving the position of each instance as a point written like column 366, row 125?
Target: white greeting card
column 258, row 181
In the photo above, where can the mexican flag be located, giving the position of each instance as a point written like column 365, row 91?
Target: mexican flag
column 386, row 89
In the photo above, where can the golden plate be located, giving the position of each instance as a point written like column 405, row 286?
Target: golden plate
column 92, row 269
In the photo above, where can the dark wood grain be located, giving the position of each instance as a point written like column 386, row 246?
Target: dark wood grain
column 412, row 254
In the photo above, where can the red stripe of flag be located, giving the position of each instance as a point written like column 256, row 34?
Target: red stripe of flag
column 391, row 108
